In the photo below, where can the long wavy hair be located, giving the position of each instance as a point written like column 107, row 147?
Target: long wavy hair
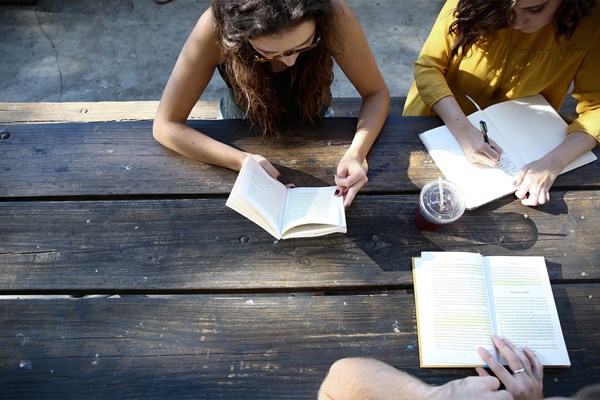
column 476, row 20
column 238, row 21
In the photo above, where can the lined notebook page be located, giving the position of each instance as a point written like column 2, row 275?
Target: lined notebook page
column 526, row 129
column 533, row 128
column 479, row 185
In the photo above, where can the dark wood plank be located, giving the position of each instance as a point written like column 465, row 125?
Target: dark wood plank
column 199, row 245
column 237, row 347
column 122, row 158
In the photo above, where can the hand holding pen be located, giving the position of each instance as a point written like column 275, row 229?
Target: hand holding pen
column 484, row 131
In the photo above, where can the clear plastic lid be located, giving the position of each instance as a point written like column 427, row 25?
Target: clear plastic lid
column 441, row 207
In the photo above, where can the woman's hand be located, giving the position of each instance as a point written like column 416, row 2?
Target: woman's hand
column 470, row 138
column 350, row 178
column 476, row 149
column 271, row 170
column 536, row 178
column 526, row 380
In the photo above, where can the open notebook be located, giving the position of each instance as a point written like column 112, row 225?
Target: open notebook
column 526, row 129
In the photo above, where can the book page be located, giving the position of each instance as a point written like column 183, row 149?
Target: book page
column 479, row 184
column 259, row 197
column 453, row 309
column 312, row 206
column 525, row 309
column 533, row 128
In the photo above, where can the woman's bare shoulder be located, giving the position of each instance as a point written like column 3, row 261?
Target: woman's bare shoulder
column 204, row 37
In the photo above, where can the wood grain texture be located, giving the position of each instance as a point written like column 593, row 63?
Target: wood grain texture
column 199, row 245
column 212, row 305
column 244, row 347
column 123, row 159
column 106, row 111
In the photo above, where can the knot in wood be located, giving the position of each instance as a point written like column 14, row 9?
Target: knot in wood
column 244, row 239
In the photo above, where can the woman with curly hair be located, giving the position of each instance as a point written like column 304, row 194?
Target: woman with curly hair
column 497, row 50
column 276, row 57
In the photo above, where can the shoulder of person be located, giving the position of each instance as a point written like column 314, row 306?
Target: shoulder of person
column 205, row 34
column 587, row 34
column 344, row 18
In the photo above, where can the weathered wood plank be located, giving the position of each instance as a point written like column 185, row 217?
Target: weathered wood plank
column 106, row 111
column 114, row 159
column 185, row 246
column 236, row 347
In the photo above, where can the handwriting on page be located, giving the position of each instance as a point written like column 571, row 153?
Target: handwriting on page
column 507, row 165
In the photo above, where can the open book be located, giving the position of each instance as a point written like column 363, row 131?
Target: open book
column 526, row 129
column 285, row 213
column 462, row 298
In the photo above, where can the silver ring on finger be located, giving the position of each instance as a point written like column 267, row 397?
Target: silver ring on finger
column 518, row 371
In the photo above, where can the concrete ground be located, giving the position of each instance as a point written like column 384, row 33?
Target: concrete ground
column 111, row 50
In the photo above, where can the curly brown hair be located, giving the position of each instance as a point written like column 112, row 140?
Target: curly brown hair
column 476, row 20
column 238, row 21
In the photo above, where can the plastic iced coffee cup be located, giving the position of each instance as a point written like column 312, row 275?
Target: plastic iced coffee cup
column 440, row 203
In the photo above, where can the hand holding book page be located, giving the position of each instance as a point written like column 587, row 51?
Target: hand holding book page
column 462, row 298
column 285, row 212
column 526, row 129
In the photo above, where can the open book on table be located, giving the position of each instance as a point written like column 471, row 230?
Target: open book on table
column 526, row 129
column 283, row 212
column 462, row 298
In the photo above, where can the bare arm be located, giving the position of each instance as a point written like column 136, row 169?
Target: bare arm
column 469, row 137
column 359, row 65
column 368, row 379
column 194, row 68
column 537, row 177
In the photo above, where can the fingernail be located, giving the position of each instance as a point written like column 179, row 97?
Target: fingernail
column 337, row 192
column 279, row 177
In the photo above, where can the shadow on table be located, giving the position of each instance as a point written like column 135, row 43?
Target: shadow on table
column 387, row 232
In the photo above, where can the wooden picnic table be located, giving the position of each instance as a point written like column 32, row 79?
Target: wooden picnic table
column 203, row 303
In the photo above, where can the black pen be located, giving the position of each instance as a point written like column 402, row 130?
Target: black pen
column 484, row 131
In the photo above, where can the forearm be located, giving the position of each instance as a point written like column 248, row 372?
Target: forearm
column 371, row 118
column 576, row 144
column 368, row 379
column 196, row 145
column 455, row 119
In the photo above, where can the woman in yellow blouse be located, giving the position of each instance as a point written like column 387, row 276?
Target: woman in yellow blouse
column 496, row 50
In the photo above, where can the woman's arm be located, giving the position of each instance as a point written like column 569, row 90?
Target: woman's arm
column 195, row 66
column 469, row 137
column 359, row 65
column 537, row 177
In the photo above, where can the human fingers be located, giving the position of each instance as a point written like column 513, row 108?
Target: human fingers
column 353, row 191
column 510, row 350
column 522, row 189
column 267, row 166
column 507, row 350
column 482, row 371
column 536, row 366
column 491, row 153
column 497, row 148
column 524, row 384
column 498, row 369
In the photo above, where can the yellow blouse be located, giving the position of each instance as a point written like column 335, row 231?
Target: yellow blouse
column 512, row 65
